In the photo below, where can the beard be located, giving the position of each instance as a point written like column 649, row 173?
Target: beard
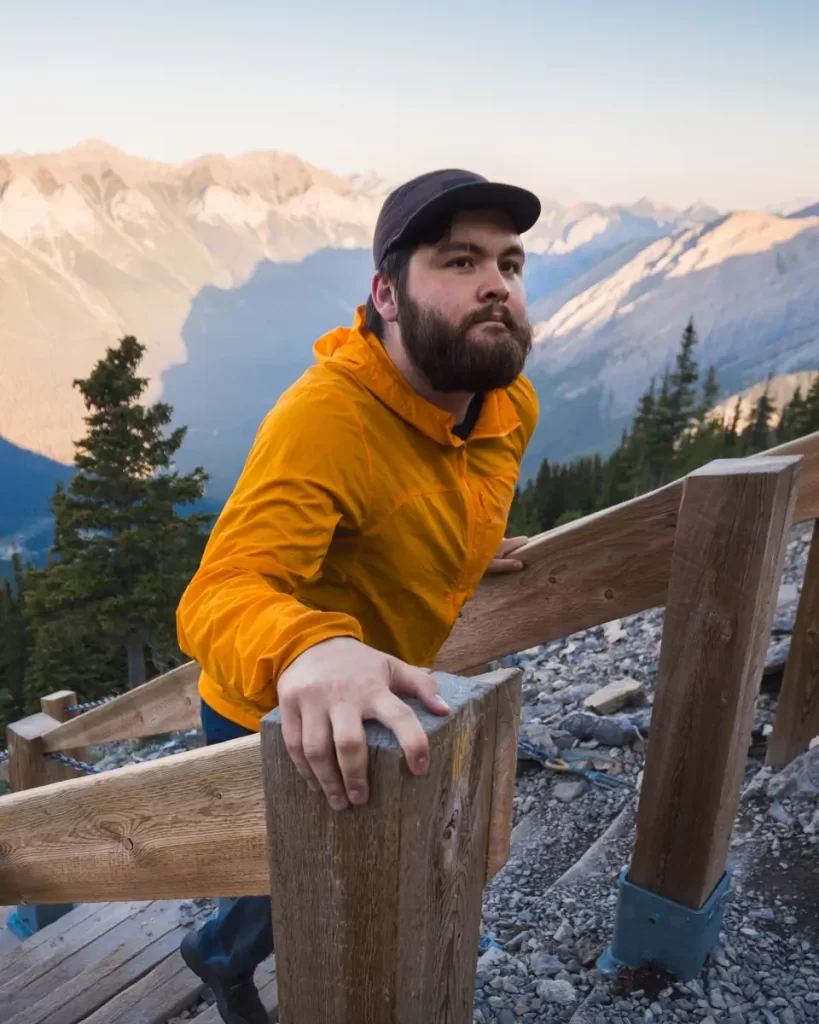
column 450, row 360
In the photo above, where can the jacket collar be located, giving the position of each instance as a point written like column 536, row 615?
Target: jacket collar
column 361, row 353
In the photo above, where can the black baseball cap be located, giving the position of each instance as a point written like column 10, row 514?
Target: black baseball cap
column 438, row 195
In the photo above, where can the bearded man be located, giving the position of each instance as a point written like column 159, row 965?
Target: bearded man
column 373, row 501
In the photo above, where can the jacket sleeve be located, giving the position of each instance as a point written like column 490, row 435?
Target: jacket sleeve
column 308, row 473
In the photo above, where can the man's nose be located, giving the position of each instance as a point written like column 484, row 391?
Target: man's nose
column 493, row 286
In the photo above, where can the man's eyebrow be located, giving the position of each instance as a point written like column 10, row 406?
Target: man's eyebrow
column 445, row 248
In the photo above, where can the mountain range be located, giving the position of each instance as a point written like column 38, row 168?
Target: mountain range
column 228, row 269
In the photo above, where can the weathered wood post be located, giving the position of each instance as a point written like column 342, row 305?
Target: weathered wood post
column 377, row 910
column 797, row 714
column 28, row 768
column 56, row 705
column 728, row 554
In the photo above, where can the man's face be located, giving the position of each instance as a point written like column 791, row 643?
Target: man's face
column 462, row 310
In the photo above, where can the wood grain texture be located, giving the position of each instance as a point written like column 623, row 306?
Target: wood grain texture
column 797, row 713
column 28, row 769
column 377, row 910
column 56, row 705
column 165, row 704
column 602, row 567
column 75, row 928
column 86, row 980
column 163, row 992
column 590, row 571
column 46, row 957
column 504, row 771
column 727, row 563
column 187, row 825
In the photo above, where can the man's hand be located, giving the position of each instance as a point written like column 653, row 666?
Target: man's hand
column 502, row 562
column 327, row 693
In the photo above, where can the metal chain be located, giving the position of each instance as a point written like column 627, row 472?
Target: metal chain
column 78, row 766
column 77, row 709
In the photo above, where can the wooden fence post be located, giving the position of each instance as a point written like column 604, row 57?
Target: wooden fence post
column 377, row 910
column 56, row 705
column 28, row 768
column 727, row 561
column 797, row 714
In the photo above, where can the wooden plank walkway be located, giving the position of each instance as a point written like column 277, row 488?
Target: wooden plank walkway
column 106, row 963
column 110, row 963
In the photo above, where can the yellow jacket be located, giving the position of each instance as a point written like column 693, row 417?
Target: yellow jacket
column 358, row 513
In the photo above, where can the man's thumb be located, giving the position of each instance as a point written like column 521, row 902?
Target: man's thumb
column 413, row 682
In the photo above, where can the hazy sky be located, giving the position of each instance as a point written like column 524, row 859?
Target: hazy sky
column 587, row 99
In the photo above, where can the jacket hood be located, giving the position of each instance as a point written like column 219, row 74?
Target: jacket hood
column 358, row 351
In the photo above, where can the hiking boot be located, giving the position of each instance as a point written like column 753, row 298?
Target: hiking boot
column 237, row 998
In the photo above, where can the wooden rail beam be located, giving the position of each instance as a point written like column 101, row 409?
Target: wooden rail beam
column 377, row 910
column 184, row 826
column 168, row 703
column 602, row 567
column 188, row 825
column 728, row 556
column 797, row 714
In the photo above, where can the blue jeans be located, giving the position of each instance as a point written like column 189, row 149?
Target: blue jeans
column 239, row 935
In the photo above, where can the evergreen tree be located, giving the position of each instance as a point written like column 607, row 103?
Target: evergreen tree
column 792, row 415
column 122, row 553
column 757, row 435
column 15, row 645
column 683, row 393
column 710, row 394
column 806, row 415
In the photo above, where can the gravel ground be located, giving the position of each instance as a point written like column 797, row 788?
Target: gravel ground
column 545, row 928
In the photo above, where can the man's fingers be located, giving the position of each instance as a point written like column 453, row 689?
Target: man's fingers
column 412, row 682
column 513, row 543
column 317, row 739
column 352, row 754
column 398, row 716
column 505, row 565
column 291, row 733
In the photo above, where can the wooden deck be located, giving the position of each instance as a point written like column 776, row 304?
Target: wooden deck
column 109, row 963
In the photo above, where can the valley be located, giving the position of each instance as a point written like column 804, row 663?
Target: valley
column 229, row 269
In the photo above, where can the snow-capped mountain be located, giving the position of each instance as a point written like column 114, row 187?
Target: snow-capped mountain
column 228, row 268
column 95, row 243
column 751, row 282
column 563, row 230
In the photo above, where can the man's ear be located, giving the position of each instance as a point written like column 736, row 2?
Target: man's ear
column 383, row 296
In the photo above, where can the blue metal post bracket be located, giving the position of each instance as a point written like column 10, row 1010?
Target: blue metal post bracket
column 649, row 929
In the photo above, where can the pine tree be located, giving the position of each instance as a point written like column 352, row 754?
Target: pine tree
column 710, row 394
column 791, row 418
column 15, row 645
column 683, row 393
column 757, row 435
column 122, row 552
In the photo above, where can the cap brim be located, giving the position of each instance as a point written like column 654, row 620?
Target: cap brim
column 522, row 207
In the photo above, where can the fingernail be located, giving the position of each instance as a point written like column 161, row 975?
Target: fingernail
column 338, row 803
column 358, row 796
column 440, row 702
column 422, row 764
column 518, row 565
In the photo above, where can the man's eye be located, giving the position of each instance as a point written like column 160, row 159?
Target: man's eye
column 460, row 261
column 512, row 267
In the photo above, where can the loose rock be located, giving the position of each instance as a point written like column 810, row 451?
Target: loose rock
column 615, row 696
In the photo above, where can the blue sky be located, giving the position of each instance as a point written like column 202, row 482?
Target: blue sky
column 591, row 99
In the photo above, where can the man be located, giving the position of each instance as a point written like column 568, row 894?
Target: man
column 372, row 503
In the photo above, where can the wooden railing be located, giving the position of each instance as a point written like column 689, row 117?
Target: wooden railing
column 235, row 818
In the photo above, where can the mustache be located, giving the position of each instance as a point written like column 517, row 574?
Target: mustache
column 490, row 314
